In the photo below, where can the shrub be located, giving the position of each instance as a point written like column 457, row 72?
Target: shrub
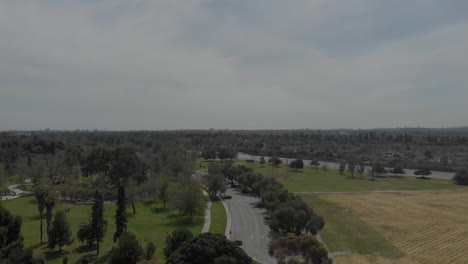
column 461, row 177
column 150, row 249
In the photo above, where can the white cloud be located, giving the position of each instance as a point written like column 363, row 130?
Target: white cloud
column 150, row 65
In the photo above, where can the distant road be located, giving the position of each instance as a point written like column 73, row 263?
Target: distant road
column 332, row 165
column 17, row 192
column 249, row 226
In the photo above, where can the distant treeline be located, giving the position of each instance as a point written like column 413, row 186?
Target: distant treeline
column 438, row 149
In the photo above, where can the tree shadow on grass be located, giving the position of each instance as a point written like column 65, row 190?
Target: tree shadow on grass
column 396, row 177
column 36, row 246
column 149, row 202
column 37, row 218
column 159, row 210
column 54, row 254
column 91, row 258
column 182, row 221
column 103, row 259
column 354, row 178
column 84, row 249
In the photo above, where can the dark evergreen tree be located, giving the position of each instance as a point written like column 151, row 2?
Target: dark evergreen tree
column 98, row 223
column 49, row 205
column 11, row 241
column 120, row 213
column 60, row 232
column 41, row 194
column 176, row 239
column 128, row 250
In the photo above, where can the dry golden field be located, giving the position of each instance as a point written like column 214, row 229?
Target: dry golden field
column 430, row 228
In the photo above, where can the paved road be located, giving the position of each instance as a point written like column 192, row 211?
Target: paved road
column 332, row 165
column 248, row 226
column 17, row 192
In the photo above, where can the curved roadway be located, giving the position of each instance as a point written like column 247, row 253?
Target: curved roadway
column 248, row 225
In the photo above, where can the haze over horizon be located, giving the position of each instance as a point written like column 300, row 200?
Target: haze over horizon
column 266, row 64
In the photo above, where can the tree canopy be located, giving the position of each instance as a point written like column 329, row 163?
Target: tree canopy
column 291, row 246
column 461, row 177
column 209, row 248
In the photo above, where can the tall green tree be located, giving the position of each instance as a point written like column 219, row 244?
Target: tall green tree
column 60, row 232
column 351, row 165
column 98, row 223
column 360, row 166
column 41, row 193
column 50, row 201
column 189, row 199
column 163, row 189
column 342, row 167
column 120, row 213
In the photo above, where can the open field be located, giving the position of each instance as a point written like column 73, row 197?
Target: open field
column 311, row 180
column 344, row 231
column 218, row 218
column 428, row 228
column 151, row 223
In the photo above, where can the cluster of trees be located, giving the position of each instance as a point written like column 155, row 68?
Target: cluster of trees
column 296, row 164
column 357, row 164
column 129, row 250
column 207, row 248
column 461, row 177
column 220, row 153
column 11, row 241
column 181, row 247
column 115, row 174
column 218, row 173
column 294, row 249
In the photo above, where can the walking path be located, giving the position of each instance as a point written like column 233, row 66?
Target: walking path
column 206, row 226
column 17, row 192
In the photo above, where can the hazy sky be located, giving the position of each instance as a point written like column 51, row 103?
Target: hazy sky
column 239, row 64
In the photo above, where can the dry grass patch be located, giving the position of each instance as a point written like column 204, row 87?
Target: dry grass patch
column 430, row 228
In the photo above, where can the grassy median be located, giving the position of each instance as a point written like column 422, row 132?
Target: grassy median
column 218, row 218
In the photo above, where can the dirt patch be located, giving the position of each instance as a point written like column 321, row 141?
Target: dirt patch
column 430, row 228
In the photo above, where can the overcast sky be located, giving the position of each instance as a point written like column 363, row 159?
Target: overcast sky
column 238, row 64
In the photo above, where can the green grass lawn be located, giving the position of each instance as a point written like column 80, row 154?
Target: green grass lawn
column 151, row 223
column 344, row 231
column 218, row 218
column 311, row 180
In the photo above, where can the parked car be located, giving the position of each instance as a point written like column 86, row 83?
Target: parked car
column 227, row 197
column 238, row 242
